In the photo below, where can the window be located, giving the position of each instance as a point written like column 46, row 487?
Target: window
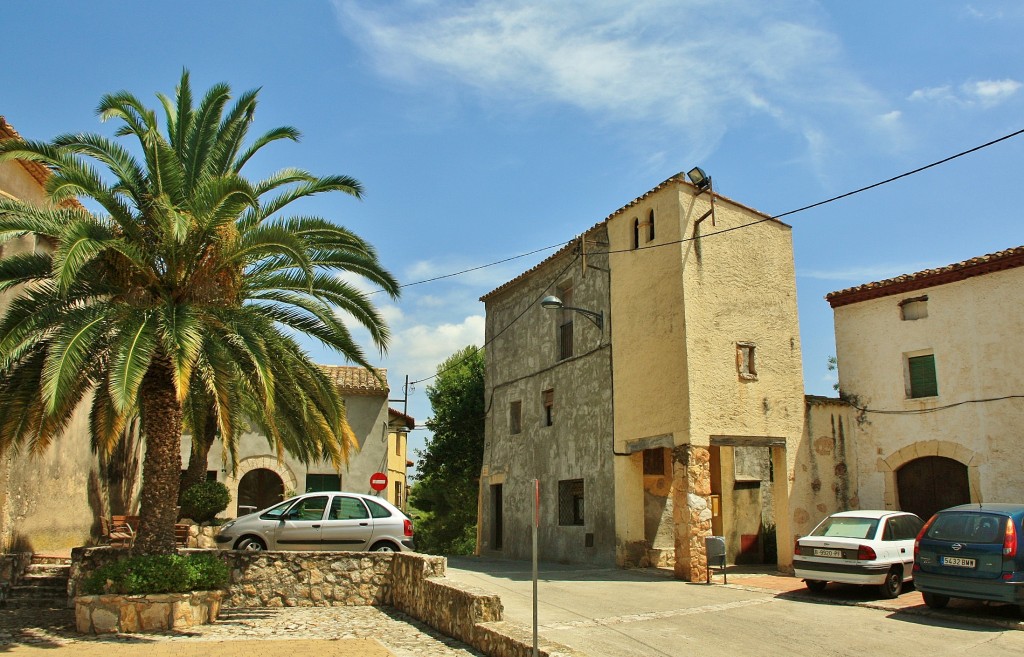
column 920, row 373
column 398, row 443
column 916, row 308
column 549, row 407
column 378, row 510
column 318, row 482
column 398, row 493
column 565, row 346
column 650, row 227
column 515, row 417
column 348, row 508
column 310, row 508
column 570, row 502
column 745, row 362
column 654, row 461
column 636, row 233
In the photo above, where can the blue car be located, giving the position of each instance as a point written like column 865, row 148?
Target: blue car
column 971, row 551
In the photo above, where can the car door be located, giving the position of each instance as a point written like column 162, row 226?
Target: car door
column 903, row 530
column 348, row 525
column 300, row 527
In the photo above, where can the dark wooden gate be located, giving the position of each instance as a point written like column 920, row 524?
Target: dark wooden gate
column 932, row 483
column 259, row 489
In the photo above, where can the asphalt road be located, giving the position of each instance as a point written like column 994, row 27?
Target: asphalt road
column 640, row 613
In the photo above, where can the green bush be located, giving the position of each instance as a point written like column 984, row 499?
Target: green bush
column 159, row 573
column 204, row 500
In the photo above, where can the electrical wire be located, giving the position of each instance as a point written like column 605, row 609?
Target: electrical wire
column 507, row 326
column 922, row 411
column 696, row 237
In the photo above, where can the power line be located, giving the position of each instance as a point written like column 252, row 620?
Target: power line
column 696, row 237
column 922, row 411
column 507, row 326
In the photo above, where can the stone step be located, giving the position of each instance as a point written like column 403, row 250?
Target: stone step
column 48, row 571
column 39, row 559
column 32, row 603
column 30, row 591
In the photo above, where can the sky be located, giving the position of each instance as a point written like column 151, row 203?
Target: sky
column 483, row 130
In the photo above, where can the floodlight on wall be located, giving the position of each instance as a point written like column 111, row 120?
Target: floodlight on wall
column 554, row 303
column 699, row 179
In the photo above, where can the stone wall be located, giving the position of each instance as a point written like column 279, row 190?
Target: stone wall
column 12, row 566
column 411, row 583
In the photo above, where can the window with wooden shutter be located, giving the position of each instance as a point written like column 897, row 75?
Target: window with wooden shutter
column 921, row 376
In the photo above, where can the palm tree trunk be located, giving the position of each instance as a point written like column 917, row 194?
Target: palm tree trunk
column 161, row 467
column 199, row 455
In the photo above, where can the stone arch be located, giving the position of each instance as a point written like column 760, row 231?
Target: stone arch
column 890, row 464
column 266, row 462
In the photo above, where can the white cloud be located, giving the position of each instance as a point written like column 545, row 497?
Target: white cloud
column 419, row 349
column 991, row 92
column 693, row 65
column 984, row 93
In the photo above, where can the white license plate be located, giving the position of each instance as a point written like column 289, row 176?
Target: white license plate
column 822, row 552
column 958, row 562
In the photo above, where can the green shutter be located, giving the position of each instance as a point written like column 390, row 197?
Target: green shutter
column 922, row 376
column 321, row 482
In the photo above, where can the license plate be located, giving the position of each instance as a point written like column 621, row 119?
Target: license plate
column 822, row 552
column 958, row 562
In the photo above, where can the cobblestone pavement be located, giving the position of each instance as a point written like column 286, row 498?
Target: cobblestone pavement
column 320, row 631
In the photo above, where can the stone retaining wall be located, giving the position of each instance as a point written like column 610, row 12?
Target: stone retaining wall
column 12, row 567
column 107, row 614
column 411, row 583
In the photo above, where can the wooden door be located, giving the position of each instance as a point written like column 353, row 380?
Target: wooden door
column 932, row 483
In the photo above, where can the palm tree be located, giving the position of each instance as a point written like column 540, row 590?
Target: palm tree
column 188, row 281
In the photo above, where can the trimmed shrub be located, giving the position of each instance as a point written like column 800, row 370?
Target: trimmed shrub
column 204, row 500
column 158, row 573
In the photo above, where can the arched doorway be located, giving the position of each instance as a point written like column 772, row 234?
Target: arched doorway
column 259, row 489
column 932, row 483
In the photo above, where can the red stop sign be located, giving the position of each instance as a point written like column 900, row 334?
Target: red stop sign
column 378, row 481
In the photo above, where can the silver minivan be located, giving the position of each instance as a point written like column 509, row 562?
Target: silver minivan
column 330, row 520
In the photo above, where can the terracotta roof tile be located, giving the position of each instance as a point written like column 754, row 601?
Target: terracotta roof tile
column 38, row 171
column 957, row 271
column 410, row 422
column 357, row 380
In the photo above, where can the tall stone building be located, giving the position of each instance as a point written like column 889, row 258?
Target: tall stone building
column 662, row 403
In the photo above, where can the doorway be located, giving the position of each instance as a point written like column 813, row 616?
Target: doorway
column 932, row 483
column 497, row 522
column 259, row 489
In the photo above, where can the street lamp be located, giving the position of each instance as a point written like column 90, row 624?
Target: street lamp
column 554, row 303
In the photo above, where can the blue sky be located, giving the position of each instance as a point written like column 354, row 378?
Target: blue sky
column 491, row 128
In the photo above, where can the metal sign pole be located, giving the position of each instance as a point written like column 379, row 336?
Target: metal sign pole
column 536, row 524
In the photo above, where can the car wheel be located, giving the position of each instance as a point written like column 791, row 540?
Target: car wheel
column 816, row 585
column 383, row 546
column 935, row 600
column 251, row 544
column 893, row 584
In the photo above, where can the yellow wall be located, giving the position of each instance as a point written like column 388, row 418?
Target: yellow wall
column 973, row 328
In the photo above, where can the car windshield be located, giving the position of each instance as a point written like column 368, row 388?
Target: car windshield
column 847, row 527
column 968, row 527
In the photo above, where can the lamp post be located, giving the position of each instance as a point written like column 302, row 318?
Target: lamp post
column 554, row 303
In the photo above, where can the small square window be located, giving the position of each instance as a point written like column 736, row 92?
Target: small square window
column 549, row 407
column 916, row 308
column 570, row 502
column 515, row 417
column 920, row 376
column 654, row 461
column 746, row 363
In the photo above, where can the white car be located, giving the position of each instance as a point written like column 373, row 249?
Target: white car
column 859, row 547
column 330, row 520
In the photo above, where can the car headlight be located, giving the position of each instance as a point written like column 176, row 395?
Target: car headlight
column 226, row 526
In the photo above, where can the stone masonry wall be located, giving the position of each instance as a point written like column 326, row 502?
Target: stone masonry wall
column 691, row 470
column 411, row 583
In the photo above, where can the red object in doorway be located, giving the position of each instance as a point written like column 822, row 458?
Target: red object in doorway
column 748, row 543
